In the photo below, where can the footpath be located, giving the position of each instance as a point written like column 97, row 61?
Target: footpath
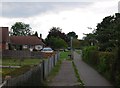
column 88, row 75
column 66, row 75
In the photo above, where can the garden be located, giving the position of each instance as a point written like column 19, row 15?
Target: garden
column 14, row 67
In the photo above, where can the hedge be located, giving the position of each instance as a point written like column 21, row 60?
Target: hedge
column 103, row 62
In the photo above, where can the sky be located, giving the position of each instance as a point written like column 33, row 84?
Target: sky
column 69, row 15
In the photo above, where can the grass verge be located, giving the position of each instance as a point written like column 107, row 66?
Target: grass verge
column 53, row 73
column 64, row 55
column 77, row 75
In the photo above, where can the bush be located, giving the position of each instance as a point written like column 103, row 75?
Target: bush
column 105, row 63
column 90, row 54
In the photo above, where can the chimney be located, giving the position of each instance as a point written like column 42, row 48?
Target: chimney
column 4, row 34
column 41, row 36
column 4, row 38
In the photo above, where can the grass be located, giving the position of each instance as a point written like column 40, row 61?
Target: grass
column 14, row 72
column 77, row 75
column 64, row 55
column 78, row 51
column 17, row 62
column 25, row 64
column 53, row 73
column 55, row 70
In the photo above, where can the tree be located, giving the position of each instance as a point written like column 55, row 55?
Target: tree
column 20, row 29
column 76, row 43
column 56, row 42
column 106, row 36
column 57, row 32
column 108, row 31
column 72, row 34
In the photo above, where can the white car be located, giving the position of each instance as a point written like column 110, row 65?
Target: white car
column 47, row 50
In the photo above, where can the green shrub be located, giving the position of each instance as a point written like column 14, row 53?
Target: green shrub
column 105, row 62
column 90, row 54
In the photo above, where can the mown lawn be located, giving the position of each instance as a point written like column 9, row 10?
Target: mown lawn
column 25, row 64
column 17, row 62
column 64, row 55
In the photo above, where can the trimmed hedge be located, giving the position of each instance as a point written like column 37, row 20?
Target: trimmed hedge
column 90, row 55
column 103, row 62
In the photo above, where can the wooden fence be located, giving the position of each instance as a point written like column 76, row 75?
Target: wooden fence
column 36, row 75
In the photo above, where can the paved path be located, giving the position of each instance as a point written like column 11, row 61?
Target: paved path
column 88, row 75
column 66, row 75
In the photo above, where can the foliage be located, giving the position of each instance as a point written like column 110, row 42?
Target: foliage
column 54, row 72
column 57, row 32
column 20, row 28
column 108, row 31
column 77, row 75
column 104, row 62
column 106, row 35
column 72, row 34
column 15, row 72
column 90, row 39
column 56, row 42
column 87, row 51
column 64, row 55
column 76, row 43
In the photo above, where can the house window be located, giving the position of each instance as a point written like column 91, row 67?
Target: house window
column 25, row 46
column 38, row 47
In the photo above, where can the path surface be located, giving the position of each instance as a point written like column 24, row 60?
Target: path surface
column 66, row 75
column 88, row 75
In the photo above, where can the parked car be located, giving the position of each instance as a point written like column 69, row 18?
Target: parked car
column 47, row 50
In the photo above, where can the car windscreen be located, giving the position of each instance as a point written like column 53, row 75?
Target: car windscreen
column 47, row 49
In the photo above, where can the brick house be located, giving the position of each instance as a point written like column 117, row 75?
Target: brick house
column 19, row 42
column 4, row 38
column 26, row 42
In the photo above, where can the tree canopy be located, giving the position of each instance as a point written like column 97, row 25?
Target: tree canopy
column 107, row 34
column 57, row 32
column 20, row 29
column 56, row 42
column 72, row 34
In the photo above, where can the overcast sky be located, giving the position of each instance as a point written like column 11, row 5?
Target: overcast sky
column 69, row 16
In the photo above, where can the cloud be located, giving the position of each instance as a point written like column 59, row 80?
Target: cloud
column 68, row 16
column 27, row 9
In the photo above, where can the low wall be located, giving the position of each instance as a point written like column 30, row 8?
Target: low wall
column 36, row 75
column 21, row 54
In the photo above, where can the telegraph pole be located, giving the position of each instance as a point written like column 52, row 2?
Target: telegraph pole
column 71, row 48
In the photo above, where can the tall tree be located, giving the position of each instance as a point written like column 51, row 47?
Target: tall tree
column 108, row 31
column 56, row 42
column 20, row 29
column 76, row 43
column 72, row 34
column 57, row 32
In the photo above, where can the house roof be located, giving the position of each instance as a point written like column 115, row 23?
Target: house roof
column 4, row 35
column 26, row 40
